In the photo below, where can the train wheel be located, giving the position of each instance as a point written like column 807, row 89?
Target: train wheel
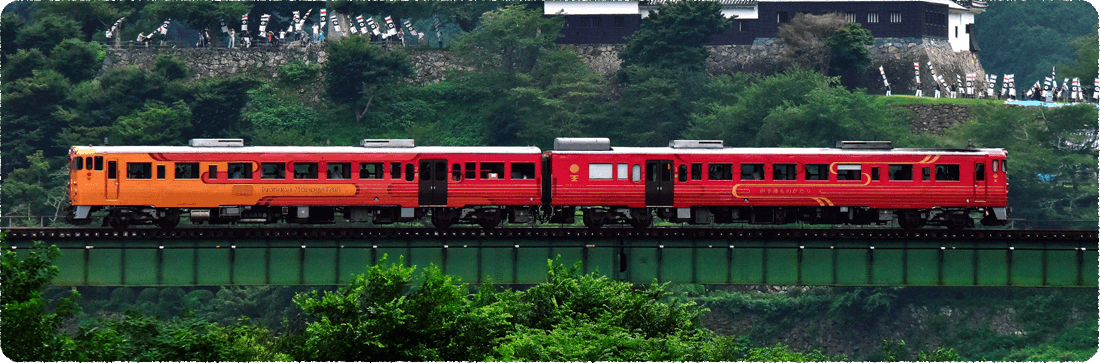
column 488, row 220
column 640, row 218
column 909, row 219
column 118, row 222
column 170, row 220
column 442, row 218
column 958, row 222
column 592, row 219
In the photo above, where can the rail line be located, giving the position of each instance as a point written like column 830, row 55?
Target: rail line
column 290, row 233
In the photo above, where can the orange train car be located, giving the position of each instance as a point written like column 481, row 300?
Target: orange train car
column 382, row 181
column 702, row 182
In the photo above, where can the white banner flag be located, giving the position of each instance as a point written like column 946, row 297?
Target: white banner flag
column 324, row 17
column 263, row 23
column 362, row 23
column 970, row 79
column 391, row 28
column 373, row 26
column 408, row 24
column 244, row 22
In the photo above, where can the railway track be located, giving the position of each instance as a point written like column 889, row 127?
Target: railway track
column 289, row 233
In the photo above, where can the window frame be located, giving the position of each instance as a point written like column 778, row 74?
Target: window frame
column 130, row 171
column 193, row 171
column 791, row 172
column 848, row 169
column 890, row 172
column 596, row 171
column 280, row 171
column 378, row 173
column 756, row 167
column 315, row 172
column 823, row 172
column 246, row 170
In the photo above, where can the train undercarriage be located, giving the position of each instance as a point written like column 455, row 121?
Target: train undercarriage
column 953, row 218
column 488, row 217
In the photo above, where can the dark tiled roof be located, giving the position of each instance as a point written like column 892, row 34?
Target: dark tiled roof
column 724, row 3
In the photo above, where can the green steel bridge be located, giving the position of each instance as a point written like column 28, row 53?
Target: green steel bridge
column 332, row 256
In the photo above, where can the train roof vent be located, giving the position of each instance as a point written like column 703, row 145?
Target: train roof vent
column 696, row 144
column 216, row 143
column 880, row 145
column 388, row 143
column 582, row 144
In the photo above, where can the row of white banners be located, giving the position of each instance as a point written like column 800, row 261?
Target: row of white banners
column 365, row 25
column 1069, row 90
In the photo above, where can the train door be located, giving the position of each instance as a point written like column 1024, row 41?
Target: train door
column 112, row 180
column 981, row 180
column 658, row 183
column 433, row 182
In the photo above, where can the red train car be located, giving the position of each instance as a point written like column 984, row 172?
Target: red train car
column 701, row 182
column 384, row 181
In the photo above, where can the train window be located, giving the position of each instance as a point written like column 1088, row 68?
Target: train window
column 98, row 163
column 305, row 170
column 492, row 170
column 395, row 171
column 440, row 171
column 139, row 170
column 720, row 172
column 187, row 170
column 456, row 172
column 848, row 172
column 370, row 171
column 636, row 175
column 979, row 171
column 338, row 170
column 272, row 170
column 213, row 174
column 925, row 174
column 752, row 171
column 160, row 171
column 874, row 173
column 425, row 170
column 78, row 163
column 697, row 171
column 410, row 171
column 1004, row 165
column 651, row 172
column 817, row 172
column 784, row 172
column 471, row 170
column 525, row 171
column 599, row 171
column 995, row 165
column 112, row 172
column 88, row 163
column 682, row 173
column 947, row 172
column 901, row 172
column 622, row 171
column 240, row 170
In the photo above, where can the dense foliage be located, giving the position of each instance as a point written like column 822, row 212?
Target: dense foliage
column 1028, row 38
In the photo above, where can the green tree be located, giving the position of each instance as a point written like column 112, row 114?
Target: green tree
column 653, row 105
column 197, row 14
column 91, row 17
column 1084, row 66
column 23, row 63
column 848, row 46
column 382, row 315
column 47, row 33
column 10, row 25
column 31, row 332
column 357, row 71
column 273, row 113
column 76, row 60
column 1039, row 31
column 156, row 124
column 26, row 115
column 171, row 67
column 804, row 38
column 673, row 36
column 216, row 104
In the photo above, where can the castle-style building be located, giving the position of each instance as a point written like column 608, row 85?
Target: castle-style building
column 610, row 22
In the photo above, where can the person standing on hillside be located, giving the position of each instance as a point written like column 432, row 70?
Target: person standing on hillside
column 232, row 38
